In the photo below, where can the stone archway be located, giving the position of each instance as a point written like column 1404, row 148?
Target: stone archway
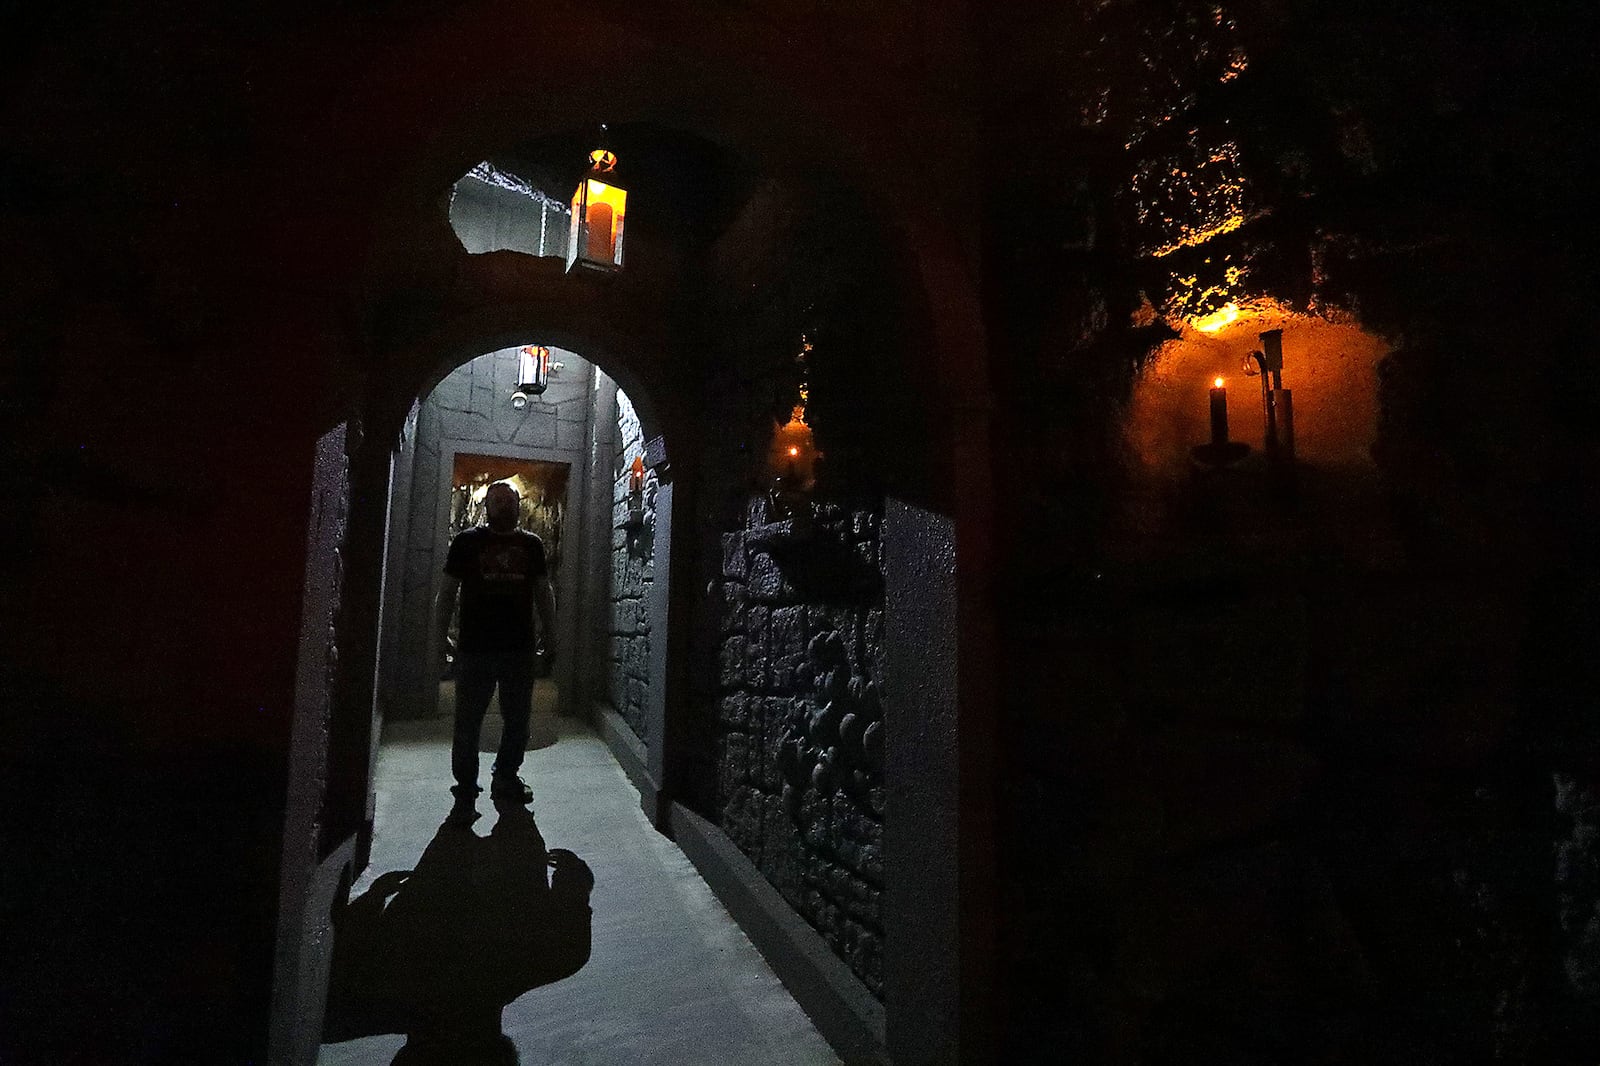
column 943, row 499
column 613, row 354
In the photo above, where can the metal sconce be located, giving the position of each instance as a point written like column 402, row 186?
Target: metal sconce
column 1277, row 402
column 635, row 519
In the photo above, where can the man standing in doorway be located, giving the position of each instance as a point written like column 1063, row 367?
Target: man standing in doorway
column 502, row 578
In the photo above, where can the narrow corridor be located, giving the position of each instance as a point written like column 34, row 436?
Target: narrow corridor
column 670, row 978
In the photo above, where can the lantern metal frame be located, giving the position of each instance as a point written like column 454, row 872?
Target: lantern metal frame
column 533, row 371
column 595, row 189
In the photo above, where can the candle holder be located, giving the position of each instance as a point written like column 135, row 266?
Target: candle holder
column 1219, row 450
column 1277, row 402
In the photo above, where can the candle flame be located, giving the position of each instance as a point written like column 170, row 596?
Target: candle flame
column 794, row 451
column 1217, row 382
column 1223, row 316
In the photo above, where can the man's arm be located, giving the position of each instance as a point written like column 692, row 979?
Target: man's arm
column 445, row 607
column 544, row 602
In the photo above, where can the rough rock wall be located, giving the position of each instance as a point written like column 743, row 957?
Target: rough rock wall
column 800, row 748
column 1279, row 768
column 632, row 573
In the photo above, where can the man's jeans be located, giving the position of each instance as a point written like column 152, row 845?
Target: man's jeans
column 476, row 677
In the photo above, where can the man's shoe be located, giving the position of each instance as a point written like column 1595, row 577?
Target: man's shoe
column 511, row 788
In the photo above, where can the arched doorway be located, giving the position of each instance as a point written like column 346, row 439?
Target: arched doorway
column 933, row 485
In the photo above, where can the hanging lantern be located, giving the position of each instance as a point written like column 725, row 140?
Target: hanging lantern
column 598, row 206
column 533, row 374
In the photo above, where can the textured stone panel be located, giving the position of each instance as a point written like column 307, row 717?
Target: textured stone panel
column 800, row 670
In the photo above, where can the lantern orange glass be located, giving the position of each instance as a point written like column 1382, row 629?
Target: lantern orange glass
column 533, row 369
column 598, row 209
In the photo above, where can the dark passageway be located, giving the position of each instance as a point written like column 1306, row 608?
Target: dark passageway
column 1079, row 530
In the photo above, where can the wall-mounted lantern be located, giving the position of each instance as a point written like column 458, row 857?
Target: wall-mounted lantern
column 533, row 374
column 598, row 207
column 635, row 519
column 794, row 454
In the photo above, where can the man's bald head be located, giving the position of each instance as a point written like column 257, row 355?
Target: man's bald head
column 502, row 504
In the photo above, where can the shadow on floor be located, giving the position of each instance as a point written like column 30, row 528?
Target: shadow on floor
column 437, row 952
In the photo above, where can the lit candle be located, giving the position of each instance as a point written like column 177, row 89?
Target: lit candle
column 1219, row 413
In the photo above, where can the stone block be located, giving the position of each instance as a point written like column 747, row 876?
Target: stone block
column 755, row 667
column 788, row 631
column 787, row 645
column 733, row 710
column 637, row 659
column 635, row 583
column 756, row 628
column 536, row 430
column 766, row 582
column 742, row 815
column 774, row 731
column 781, row 856
column 756, row 511
column 733, row 758
column 734, row 564
column 732, row 655
column 569, row 436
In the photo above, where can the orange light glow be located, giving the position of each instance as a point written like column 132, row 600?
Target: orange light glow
column 598, row 211
column 794, row 451
column 1216, row 383
column 1216, row 320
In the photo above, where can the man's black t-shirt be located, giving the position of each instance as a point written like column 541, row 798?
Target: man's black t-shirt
column 497, row 573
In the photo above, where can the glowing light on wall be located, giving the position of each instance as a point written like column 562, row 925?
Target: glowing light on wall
column 794, row 452
column 1224, row 316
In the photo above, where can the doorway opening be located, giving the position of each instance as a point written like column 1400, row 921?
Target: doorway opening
column 541, row 486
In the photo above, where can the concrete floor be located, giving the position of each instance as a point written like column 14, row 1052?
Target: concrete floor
column 670, row 978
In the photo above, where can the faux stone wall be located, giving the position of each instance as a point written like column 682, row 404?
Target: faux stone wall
column 800, row 745
column 632, row 573
column 787, row 660
column 470, row 409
